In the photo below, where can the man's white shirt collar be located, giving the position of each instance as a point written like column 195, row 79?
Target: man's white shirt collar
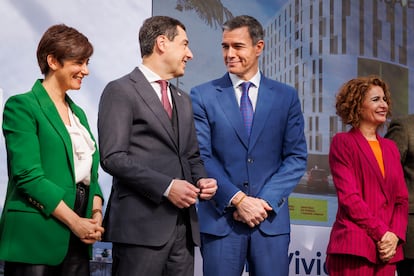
column 236, row 81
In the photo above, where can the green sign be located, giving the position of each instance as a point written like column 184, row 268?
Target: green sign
column 308, row 209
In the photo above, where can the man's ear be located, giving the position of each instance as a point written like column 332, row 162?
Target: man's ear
column 160, row 43
column 259, row 47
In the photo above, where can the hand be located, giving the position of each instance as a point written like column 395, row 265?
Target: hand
column 88, row 230
column 93, row 237
column 97, row 215
column 97, row 236
column 236, row 216
column 387, row 246
column 183, row 194
column 208, row 188
column 251, row 210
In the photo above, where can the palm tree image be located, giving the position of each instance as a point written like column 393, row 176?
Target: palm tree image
column 212, row 12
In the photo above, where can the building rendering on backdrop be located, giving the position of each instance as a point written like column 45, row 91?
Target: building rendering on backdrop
column 317, row 45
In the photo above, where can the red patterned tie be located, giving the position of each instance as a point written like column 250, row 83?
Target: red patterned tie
column 164, row 97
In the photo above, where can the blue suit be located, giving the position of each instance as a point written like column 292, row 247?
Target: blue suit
column 268, row 165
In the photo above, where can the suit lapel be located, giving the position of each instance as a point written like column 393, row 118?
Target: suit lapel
column 227, row 100
column 264, row 104
column 49, row 110
column 389, row 165
column 369, row 156
column 180, row 108
column 147, row 93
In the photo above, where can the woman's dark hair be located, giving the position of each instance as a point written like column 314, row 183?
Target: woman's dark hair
column 63, row 43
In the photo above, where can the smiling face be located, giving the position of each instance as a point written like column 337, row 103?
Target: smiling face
column 374, row 108
column 70, row 74
column 177, row 53
column 241, row 55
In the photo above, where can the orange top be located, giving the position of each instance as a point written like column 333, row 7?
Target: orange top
column 378, row 155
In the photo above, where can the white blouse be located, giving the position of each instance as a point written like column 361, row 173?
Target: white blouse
column 83, row 149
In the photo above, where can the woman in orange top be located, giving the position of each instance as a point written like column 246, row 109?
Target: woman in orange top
column 372, row 215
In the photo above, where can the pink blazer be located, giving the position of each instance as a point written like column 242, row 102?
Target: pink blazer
column 368, row 204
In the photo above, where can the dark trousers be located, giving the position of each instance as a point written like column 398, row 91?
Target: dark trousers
column 175, row 258
column 405, row 267
column 76, row 262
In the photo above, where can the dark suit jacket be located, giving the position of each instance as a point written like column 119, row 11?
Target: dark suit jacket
column 268, row 165
column 401, row 130
column 143, row 154
column 41, row 174
column 368, row 204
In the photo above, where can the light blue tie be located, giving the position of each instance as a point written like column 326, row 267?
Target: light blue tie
column 246, row 107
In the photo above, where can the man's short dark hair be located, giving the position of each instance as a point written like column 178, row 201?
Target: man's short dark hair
column 154, row 27
column 255, row 28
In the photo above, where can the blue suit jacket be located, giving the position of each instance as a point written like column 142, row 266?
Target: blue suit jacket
column 267, row 165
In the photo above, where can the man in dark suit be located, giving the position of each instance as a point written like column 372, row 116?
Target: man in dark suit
column 149, row 145
column 401, row 130
column 257, row 160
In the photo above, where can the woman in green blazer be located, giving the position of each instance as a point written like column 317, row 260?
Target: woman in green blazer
column 53, row 208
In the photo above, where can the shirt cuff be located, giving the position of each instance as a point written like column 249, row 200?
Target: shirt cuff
column 231, row 199
column 167, row 191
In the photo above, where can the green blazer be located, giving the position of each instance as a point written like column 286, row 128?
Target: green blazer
column 41, row 174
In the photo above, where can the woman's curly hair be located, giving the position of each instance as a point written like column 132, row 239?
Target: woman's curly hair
column 352, row 94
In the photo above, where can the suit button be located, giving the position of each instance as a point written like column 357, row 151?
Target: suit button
column 250, row 160
column 245, row 184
